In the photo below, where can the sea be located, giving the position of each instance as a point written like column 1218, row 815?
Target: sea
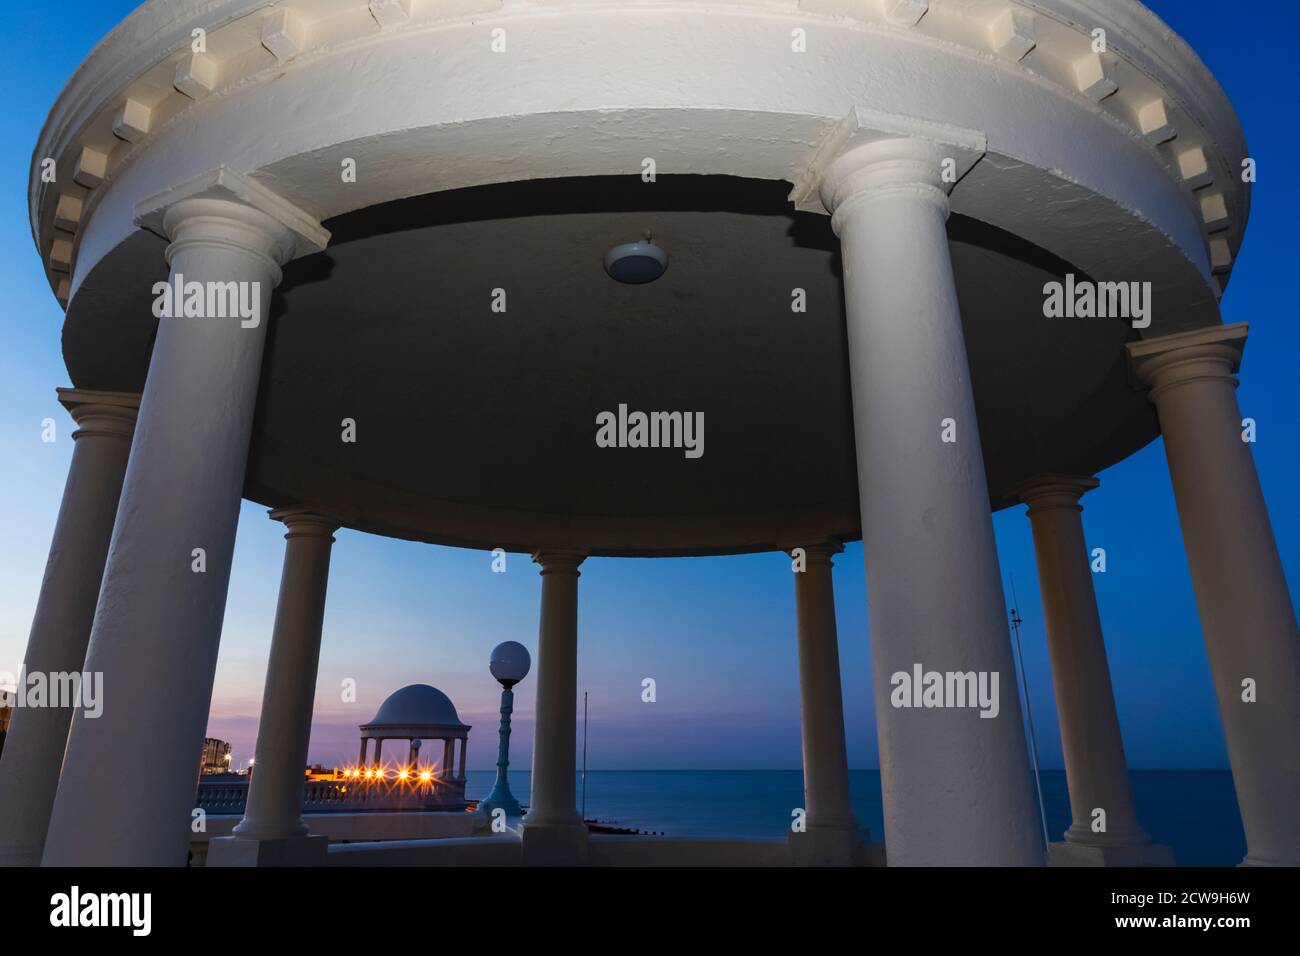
column 1192, row 811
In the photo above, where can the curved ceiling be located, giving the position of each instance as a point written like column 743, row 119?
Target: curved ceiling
column 477, row 427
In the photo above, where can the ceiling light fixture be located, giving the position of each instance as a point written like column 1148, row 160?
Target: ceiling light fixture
column 636, row 263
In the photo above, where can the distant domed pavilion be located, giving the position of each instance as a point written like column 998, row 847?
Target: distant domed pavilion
column 416, row 713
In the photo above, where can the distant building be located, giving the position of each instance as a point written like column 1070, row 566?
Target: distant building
column 216, row 756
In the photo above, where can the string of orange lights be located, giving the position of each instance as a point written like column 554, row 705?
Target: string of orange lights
column 401, row 774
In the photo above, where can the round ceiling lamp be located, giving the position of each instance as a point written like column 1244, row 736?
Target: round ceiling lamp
column 636, row 263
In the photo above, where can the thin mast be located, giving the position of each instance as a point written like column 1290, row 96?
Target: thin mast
column 584, row 755
column 1029, row 710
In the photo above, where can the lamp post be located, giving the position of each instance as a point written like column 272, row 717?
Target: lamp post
column 509, row 665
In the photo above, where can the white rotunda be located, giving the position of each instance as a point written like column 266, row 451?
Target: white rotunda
column 921, row 260
column 417, row 713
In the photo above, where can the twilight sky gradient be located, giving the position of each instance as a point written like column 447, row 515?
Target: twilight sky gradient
column 717, row 634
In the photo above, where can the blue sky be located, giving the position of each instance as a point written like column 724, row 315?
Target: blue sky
column 716, row 634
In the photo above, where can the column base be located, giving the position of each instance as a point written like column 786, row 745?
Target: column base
column 21, row 855
column 1133, row 854
column 288, row 851
column 833, row 846
column 554, row 844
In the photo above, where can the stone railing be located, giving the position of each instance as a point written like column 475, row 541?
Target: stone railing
column 342, row 796
column 222, row 797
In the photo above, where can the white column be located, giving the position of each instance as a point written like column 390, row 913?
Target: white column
column 957, row 785
column 33, row 753
column 129, row 778
column 464, row 746
column 448, row 752
column 273, row 829
column 1096, row 772
column 832, row 831
column 553, row 828
column 361, row 760
column 1247, row 617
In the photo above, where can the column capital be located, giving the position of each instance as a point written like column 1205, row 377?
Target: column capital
column 227, row 208
column 1168, row 361
column 101, row 414
column 559, row 561
column 303, row 522
column 873, row 155
column 817, row 552
column 1048, row 491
